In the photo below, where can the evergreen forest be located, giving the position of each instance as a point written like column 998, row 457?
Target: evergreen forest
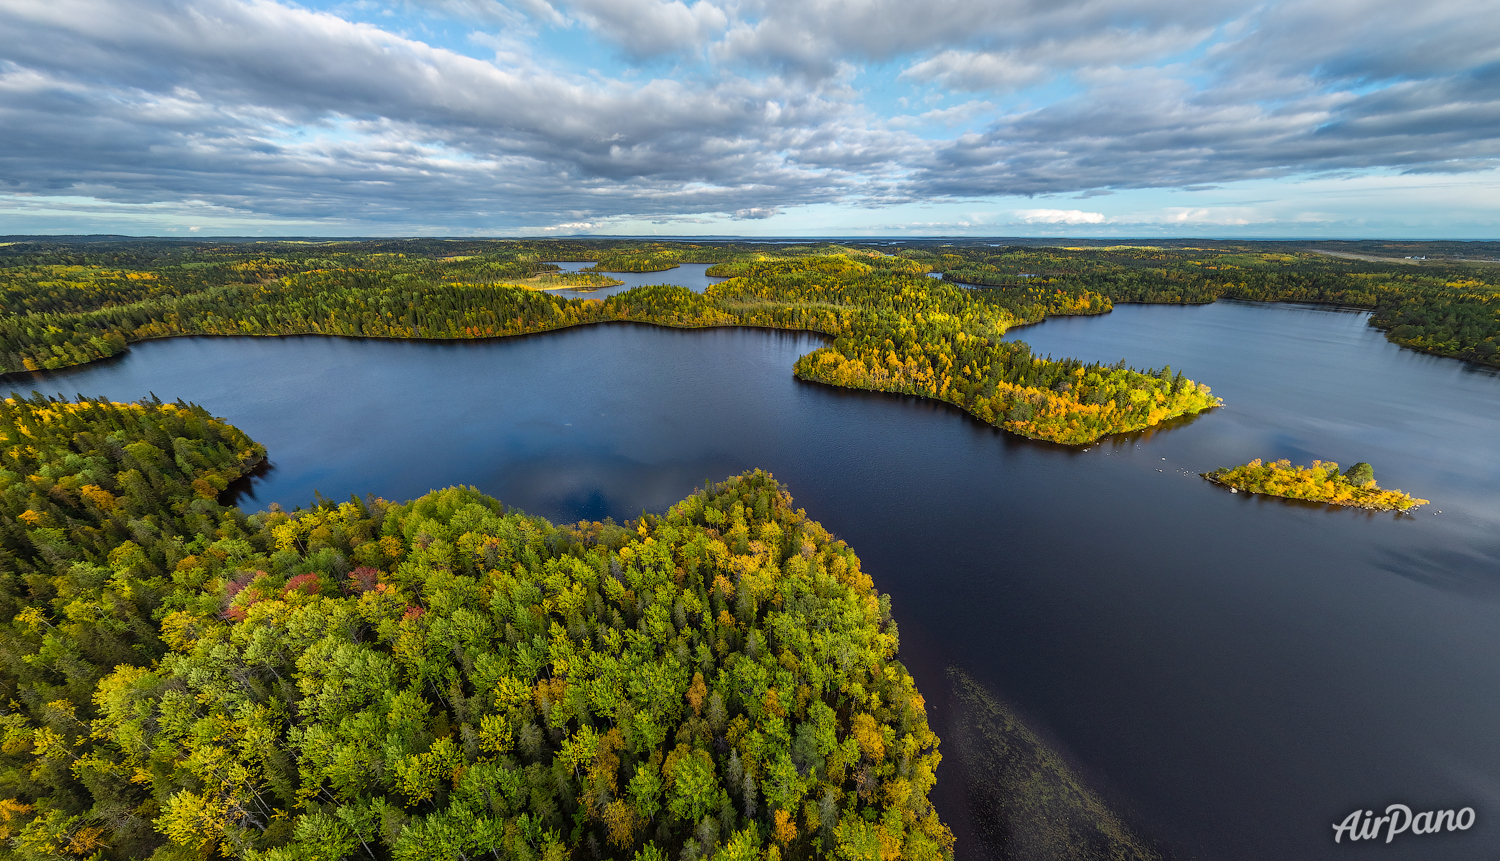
column 441, row 679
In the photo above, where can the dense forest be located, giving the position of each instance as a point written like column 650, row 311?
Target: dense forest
column 1321, row 482
column 1445, row 307
column 896, row 328
column 439, row 679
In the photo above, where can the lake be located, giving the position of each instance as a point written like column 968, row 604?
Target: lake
column 689, row 275
column 1232, row 674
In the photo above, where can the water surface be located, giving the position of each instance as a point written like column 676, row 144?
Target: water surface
column 689, row 275
column 1233, row 673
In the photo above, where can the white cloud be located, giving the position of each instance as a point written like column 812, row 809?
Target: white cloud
column 976, row 70
column 266, row 110
column 1059, row 216
column 1036, row 62
column 648, row 28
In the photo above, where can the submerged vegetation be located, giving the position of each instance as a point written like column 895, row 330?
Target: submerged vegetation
column 1035, row 806
column 440, row 679
column 1321, row 482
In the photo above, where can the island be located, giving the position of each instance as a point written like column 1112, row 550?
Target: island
column 893, row 327
column 444, row 678
column 1321, row 482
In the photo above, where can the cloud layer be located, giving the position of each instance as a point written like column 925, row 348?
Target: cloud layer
column 733, row 111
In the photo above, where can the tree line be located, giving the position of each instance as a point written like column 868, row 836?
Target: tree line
column 1448, row 309
column 899, row 329
column 895, row 328
column 445, row 678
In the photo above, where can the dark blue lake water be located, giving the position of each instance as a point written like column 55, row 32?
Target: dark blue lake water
column 689, row 275
column 1233, row 673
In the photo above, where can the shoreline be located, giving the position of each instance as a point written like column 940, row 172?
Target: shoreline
column 1211, row 480
column 16, row 376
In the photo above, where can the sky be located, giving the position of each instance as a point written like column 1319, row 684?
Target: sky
column 1217, row 118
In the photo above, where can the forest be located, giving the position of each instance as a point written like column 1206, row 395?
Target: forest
column 444, row 678
column 895, row 328
column 1447, row 307
column 1321, row 482
column 452, row 678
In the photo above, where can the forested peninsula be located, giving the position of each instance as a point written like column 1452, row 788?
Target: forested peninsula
column 1321, row 482
column 445, row 678
column 895, row 328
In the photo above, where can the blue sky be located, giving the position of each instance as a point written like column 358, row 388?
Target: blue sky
column 1311, row 118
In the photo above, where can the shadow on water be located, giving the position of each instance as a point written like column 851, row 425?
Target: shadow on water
column 20, row 378
column 241, row 491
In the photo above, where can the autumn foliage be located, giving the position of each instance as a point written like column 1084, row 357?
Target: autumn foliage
column 1321, row 482
column 435, row 680
column 896, row 330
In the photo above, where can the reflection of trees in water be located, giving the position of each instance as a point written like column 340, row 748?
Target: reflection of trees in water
column 241, row 491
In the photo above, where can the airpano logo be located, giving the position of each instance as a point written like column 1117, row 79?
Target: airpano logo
column 1398, row 819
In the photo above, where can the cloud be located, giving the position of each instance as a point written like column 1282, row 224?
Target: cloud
column 1365, row 40
column 257, row 110
column 493, row 12
column 649, row 28
column 1201, row 215
column 810, row 37
column 954, row 116
column 1148, row 129
column 1059, row 216
column 1036, row 62
column 300, row 113
column 976, row 70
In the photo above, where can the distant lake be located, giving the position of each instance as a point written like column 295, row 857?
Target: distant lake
column 689, row 275
column 1234, row 674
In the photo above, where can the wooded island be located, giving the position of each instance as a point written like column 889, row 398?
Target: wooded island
column 1321, row 482
column 894, row 328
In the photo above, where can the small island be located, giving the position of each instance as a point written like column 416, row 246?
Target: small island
column 1321, row 482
